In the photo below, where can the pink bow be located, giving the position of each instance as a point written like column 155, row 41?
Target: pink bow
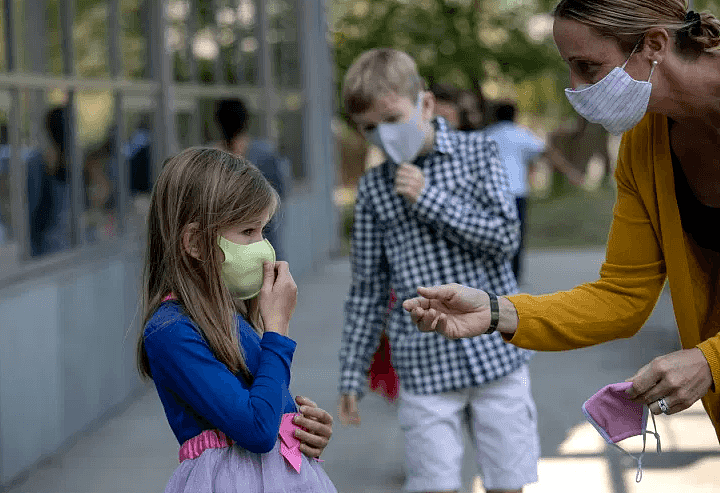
column 289, row 444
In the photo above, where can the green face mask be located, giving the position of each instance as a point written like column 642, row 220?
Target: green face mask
column 242, row 269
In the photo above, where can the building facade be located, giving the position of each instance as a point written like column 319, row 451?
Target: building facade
column 94, row 95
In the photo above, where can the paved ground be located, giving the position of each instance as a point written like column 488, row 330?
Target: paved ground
column 134, row 451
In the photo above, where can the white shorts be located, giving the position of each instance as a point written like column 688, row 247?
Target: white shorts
column 502, row 420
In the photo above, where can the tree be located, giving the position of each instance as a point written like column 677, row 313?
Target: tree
column 460, row 42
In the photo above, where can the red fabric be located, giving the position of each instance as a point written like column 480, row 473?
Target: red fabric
column 382, row 376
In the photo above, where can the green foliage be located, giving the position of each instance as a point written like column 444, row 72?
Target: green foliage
column 461, row 42
column 574, row 219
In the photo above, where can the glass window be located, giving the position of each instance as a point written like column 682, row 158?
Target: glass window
column 95, row 116
column 138, row 159
column 91, row 39
column 180, row 25
column 6, row 233
column 205, row 47
column 290, row 141
column 211, row 132
column 246, row 50
column 3, row 33
column 37, row 36
column 184, row 123
column 284, row 42
column 134, row 29
column 225, row 19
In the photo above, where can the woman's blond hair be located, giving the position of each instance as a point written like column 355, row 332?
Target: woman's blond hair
column 214, row 190
column 376, row 73
column 628, row 21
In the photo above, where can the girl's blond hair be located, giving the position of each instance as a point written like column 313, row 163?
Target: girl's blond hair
column 627, row 21
column 215, row 190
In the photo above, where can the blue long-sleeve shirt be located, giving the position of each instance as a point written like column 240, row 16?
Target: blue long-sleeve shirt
column 198, row 392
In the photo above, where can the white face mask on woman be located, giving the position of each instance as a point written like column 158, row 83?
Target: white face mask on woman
column 617, row 102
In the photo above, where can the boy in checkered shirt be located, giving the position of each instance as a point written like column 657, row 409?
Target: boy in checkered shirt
column 437, row 211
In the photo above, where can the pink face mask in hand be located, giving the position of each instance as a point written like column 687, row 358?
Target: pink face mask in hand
column 616, row 418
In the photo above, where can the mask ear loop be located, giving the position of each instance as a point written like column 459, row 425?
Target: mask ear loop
column 631, row 53
column 652, row 69
column 639, row 458
column 638, row 474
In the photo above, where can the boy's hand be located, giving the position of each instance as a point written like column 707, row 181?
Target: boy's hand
column 409, row 181
column 348, row 410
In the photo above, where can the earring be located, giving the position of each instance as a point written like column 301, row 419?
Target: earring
column 652, row 69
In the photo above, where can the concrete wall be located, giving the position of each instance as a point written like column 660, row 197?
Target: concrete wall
column 65, row 359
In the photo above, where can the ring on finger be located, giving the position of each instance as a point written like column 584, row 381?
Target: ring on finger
column 663, row 405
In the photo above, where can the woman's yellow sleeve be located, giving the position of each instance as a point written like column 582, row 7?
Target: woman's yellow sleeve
column 616, row 305
column 711, row 350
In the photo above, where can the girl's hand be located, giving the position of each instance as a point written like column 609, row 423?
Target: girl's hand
column 278, row 297
column 316, row 427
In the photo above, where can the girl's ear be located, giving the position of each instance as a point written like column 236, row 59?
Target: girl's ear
column 190, row 240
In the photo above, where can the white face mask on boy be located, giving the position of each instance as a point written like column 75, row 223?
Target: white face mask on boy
column 401, row 142
column 617, row 102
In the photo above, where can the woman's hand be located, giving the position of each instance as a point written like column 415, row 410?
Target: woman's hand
column 681, row 378
column 278, row 297
column 451, row 309
column 316, row 427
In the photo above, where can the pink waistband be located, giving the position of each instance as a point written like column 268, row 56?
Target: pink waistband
column 289, row 446
column 196, row 445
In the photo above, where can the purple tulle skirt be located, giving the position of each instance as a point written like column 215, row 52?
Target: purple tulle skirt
column 235, row 470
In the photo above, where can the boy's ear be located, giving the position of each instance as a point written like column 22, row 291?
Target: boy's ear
column 190, row 240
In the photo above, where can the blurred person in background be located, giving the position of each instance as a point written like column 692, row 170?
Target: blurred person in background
column 471, row 110
column 48, row 183
column 100, row 194
column 518, row 148
column 446, row 103
column 231, row 116
column 462, row 109
column 650, row 69
column 138, row 152
column 4, row 185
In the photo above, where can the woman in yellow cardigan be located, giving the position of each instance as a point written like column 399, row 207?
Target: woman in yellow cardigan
column 646, row 68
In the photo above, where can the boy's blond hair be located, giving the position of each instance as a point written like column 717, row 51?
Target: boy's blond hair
column 376, row 73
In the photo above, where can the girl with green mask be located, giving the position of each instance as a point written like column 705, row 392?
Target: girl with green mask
column 217, row 308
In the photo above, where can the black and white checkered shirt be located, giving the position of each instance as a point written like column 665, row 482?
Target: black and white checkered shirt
column 463, row 228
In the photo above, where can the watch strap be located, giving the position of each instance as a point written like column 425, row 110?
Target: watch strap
column 494, row 314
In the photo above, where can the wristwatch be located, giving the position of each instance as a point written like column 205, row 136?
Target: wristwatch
column 494, row 314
